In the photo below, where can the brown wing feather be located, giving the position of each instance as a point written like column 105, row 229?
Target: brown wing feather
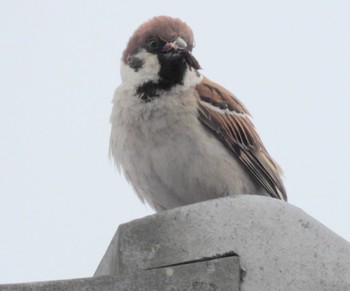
column 226, row 116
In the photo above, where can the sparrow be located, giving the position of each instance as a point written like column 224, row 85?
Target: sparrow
column 178, row 137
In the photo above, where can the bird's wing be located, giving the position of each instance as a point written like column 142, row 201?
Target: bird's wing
column 229, row 120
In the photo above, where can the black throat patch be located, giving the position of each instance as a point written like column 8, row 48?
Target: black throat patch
column 172, row 71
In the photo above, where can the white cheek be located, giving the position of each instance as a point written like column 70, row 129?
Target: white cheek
column 148, row 72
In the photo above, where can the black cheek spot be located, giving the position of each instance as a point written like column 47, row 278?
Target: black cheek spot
column 135, row 63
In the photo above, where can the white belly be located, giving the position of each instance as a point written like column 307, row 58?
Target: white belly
column 167, row 154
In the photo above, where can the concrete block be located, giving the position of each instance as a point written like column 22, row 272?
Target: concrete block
column 105, row 283
column 216, row 274
column 280, row 247
column 248, row 243
column 208, row 275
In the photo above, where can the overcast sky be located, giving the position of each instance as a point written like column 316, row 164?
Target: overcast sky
column 62, row 199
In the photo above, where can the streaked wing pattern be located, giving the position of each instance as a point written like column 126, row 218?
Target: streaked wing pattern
column 229, row 120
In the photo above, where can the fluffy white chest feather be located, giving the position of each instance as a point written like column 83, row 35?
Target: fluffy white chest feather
column 166, row 153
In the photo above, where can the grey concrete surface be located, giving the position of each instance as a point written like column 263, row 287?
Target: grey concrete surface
column 248, row 243
column 216, row 274
column 105, row 283
column 280, row 246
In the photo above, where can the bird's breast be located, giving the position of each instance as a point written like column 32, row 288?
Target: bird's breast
column 167, row 154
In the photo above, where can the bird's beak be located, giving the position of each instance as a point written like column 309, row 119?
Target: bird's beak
column 180, row 46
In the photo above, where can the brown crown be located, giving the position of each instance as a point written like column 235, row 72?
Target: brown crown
column 164, row 27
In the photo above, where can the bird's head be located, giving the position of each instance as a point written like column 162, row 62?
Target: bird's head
column 160, row 51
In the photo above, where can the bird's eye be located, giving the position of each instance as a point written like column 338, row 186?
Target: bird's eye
column 153, row 44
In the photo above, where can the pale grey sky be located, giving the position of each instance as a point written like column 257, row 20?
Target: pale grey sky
column 61, row 198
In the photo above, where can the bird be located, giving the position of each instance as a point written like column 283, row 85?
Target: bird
column 178, row 137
